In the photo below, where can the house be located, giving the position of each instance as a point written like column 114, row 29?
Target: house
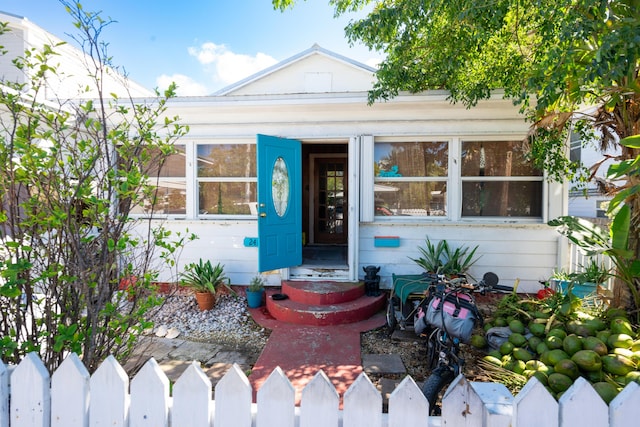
column 71, row 79
column 292, row 162
column 590, row 201
column 290, row 172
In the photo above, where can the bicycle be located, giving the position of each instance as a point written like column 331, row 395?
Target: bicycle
column 450, row 318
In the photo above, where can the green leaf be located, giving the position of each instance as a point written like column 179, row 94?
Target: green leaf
column 590, row 238
column 619, row 198
column 620, row 228
column 631, row 141
column 624, row 168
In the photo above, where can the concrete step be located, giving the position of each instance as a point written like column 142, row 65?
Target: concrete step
column 322, row 292
column 323, row 303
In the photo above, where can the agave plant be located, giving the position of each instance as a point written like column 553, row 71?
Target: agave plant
column 204, row 276
column 441, row 258
column 431, row 260
column 458, row 260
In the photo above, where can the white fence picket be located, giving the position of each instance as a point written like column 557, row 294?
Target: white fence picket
column 496, row 402
column 625, row 407
column 70, row 394
column 276, row 401
column 362, row 404
column 150, row 398
column 407, row 405
column 454, row 404
column 30, row 399
column 320, row 402
column 581, row 406
column 109, row 402
column 233, row 396
column 4, row 395
column 527, row 404
column 477, row 404
column 192, row 404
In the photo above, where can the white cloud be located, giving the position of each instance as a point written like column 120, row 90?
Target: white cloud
column 229, row 67
column 186, row 85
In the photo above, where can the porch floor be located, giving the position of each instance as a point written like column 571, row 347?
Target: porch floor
column 327, row 256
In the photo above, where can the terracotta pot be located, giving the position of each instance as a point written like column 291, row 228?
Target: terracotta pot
column 128, row 284
column 164, row 288
column 205, row 300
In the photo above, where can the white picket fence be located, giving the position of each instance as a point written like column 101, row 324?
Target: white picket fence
column 71, row 397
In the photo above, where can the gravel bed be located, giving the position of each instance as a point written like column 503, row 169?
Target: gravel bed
column 229, row 322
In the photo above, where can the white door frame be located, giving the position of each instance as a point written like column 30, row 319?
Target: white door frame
column 353, row 246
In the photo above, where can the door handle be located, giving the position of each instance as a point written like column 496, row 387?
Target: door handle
column 263, row 215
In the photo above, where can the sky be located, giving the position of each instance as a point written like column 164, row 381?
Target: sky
column 202, row 45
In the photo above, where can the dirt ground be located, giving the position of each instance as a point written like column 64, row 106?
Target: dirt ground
column 412, row 349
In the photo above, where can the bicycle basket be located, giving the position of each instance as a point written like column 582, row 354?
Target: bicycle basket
column 456, row 314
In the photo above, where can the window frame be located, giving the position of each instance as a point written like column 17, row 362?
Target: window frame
column 157, row 181
column 528, row 178
column 197, row 180
column 446, row 179
column 455, row 181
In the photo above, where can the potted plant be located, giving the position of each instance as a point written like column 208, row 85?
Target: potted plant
column 589, row 278
column 204, row 278
column 561, row 280
column 255, row 292
column 593, row 273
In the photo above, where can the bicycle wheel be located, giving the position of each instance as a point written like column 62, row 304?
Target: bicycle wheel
column 432, row 387
column 433, row 350
column 391, row 316
column 432, row 353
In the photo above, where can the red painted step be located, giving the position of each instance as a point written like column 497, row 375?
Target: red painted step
column 321, row 293
column 324, row 303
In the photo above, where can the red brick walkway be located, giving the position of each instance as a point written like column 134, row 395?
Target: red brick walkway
column 301, row 351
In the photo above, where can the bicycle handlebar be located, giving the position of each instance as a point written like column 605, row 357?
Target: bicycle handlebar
column 482, row 286
column 502, row 288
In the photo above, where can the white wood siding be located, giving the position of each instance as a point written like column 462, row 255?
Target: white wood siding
column 13, row 43
column 311, row 75
column 525, row 252
column 219, row 241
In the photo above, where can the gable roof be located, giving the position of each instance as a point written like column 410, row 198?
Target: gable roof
column 315, row 70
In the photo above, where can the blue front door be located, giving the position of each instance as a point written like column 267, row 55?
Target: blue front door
column 279, row 203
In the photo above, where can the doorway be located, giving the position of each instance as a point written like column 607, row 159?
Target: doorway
column 330, row 193
column 325, row 205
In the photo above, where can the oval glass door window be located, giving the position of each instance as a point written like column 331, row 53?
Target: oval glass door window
column 280, row 186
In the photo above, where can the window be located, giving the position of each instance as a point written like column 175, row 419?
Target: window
column 168, row 196
column 411, row 178
column 575, row 147
column 226, row 179
column 499, row 181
